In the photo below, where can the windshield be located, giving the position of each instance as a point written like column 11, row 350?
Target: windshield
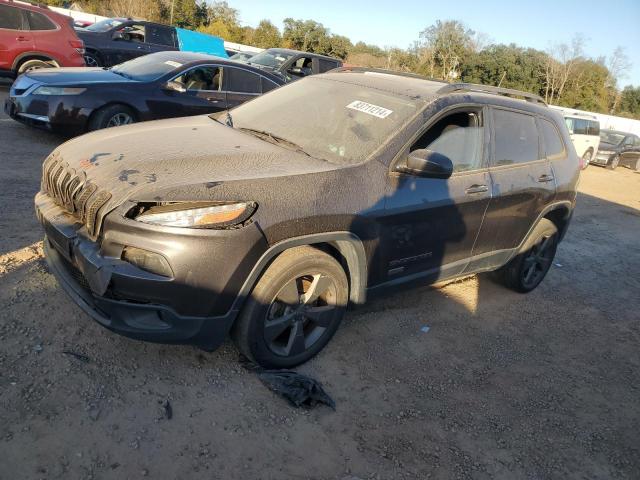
column 271, row 58
column 334, row 121
column 148, row 67
column 104, row 25
column 611, row 137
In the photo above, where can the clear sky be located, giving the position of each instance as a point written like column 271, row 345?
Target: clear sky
column 537, row 24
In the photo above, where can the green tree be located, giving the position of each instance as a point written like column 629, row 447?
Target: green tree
column 443, row 47
column 266, row 35
column 630, row 101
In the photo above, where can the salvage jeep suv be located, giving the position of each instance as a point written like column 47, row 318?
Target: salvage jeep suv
column 268, row 221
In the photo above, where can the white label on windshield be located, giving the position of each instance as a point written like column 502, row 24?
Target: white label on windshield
column 369, row 108
column 173, row 64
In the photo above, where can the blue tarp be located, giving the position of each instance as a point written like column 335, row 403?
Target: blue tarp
column 190, row 41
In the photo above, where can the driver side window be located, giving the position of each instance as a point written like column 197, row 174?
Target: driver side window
column 132, row 33
column 201, row 78
column 458, row 136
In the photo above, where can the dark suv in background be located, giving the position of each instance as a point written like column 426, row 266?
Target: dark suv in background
column 33, row 36
column 268, row 221
column 291, row 64
column 618, row 148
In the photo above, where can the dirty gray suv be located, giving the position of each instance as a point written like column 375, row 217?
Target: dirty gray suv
column 268, row 221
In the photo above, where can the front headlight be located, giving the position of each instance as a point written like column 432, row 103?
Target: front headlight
column 605, row 152
column 44, row 90
column 212, row 216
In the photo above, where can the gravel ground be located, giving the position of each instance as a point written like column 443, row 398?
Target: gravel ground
column 502, row 385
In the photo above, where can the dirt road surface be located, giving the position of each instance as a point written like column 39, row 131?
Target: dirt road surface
column 503, row 385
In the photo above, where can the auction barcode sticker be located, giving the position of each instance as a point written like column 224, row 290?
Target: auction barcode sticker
column 369, row 108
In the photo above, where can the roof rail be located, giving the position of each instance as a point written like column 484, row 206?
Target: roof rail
column 507, row 92
column 384, row 71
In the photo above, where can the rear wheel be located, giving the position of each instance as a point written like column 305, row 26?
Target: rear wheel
column 530, row 266
column 35, row 64
column 294, row 309
column 613, row 164
column 111, row 116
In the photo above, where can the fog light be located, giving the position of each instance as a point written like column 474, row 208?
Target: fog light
column 148, row 261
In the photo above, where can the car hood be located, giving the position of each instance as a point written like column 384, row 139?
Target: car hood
column 178, row 159
column 73, row 76
column 606, row 146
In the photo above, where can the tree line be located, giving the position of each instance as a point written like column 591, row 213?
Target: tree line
column 447, row 50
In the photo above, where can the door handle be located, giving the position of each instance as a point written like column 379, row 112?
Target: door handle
column 476, row 189
column 545, row 178
column 22, row 39
column 213, row 100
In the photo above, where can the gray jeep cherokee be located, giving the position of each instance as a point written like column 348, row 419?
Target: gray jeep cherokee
column 269, row 221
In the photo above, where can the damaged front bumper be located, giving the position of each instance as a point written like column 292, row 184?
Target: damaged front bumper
column 113, row 291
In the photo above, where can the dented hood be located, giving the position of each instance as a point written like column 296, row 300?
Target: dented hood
column 153, row 159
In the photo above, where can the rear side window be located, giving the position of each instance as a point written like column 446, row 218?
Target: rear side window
column 242, row 81
column 594, row 128
column 326, row 65
column 552, row 141
column 160, row 36
column 11, row 18
column 37, row 21
column 516, row 138
column 580, row 126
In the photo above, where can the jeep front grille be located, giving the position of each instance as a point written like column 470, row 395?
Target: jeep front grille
column 71, row 190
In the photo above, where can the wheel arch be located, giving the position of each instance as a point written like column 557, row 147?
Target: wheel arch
column 345, row 247
column 26, row 56
column 559, row 213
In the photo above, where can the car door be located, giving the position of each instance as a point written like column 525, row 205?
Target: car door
column 630, row 151
column 202, row 94
column 160, row 38
column 46, row 34
column 128, row 42
column 431, row 224
column 522, row 182
column 240, row 85
column 15, row 37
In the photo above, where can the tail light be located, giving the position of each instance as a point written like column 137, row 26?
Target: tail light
column 78, row 45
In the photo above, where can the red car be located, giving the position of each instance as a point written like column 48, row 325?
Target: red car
column 33, row 36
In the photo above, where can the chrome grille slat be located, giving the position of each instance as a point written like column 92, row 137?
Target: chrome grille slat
column 70, row 190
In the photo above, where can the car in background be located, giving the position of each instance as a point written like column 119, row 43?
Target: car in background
column 310, row 198
column 116, row 40
column 242, row 57
column 618, row 148
column 33, row 36
column 585, row 135
column 160, row 85
column 293, row 64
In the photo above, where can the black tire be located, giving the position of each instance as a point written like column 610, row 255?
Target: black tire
column 586, row 159
column 613, row 164
column 277, row 327
column 105, row 117
column 92, row 59
column 530, row 266
column 34, row 64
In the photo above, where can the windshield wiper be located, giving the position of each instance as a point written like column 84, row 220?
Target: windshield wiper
column 271, row 138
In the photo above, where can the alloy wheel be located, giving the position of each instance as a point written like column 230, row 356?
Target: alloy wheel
column 538, row 261
column 299, row 315
column 120, row 119
column 91, row 61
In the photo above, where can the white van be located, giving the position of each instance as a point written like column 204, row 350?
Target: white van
column 585, row 135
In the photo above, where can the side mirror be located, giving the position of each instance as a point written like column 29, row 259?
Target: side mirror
column 174, row 87
column 426, row 163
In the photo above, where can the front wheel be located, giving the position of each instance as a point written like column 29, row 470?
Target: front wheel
column 613, row 164
column 111, row 116
column 586, row 159
column 530, row 266
column 294, row 309
column 92, row 60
